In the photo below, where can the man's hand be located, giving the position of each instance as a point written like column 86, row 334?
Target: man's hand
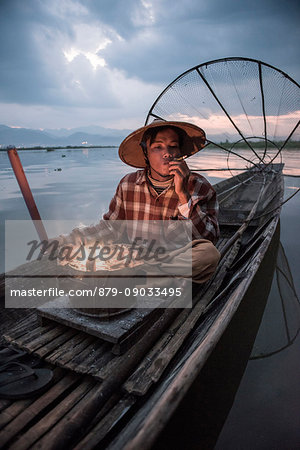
column 181, row 174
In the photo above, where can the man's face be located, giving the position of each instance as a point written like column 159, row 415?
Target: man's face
column 163, row 149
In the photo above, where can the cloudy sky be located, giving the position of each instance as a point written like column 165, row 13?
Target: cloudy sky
column 70, row 63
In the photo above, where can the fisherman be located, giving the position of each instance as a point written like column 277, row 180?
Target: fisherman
column 164, row 189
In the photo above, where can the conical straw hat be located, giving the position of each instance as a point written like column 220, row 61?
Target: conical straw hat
column 131, row 152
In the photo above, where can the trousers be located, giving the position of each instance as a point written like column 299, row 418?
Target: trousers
column 198, row 259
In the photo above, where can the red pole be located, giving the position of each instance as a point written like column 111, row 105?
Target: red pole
column 27, row 194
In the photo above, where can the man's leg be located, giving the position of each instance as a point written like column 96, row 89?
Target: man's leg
column 205, row 258
column 199, row 258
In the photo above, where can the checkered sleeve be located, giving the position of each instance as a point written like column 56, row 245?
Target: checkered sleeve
column 116, row 207
column 204, row 210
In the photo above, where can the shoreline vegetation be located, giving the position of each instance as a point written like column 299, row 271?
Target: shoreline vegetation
column 58, row 147
column 255, row 144
column 226, row 144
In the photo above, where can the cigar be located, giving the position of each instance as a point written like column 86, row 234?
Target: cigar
column 179, row 158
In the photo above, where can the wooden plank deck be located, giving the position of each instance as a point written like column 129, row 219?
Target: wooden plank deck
column 118, row 329
column 82, row 363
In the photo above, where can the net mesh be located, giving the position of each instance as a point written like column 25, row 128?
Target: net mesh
column 280, row 324
column 240, row 103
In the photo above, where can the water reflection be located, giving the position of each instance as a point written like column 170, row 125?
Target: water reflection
column 210, row 403
column 202, row 414
column 281, row 321
column 265, row 413
column 213, row 160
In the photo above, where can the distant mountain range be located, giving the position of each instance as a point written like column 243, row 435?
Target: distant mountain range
column 93, row 135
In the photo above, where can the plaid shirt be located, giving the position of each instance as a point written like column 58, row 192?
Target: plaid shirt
column 136, row 200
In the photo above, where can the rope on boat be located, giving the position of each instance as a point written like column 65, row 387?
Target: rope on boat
column 277, row 207
column 234, row 188
column 246, row 222
column 251, row 216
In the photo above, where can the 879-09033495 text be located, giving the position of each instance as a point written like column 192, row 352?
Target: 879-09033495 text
column 102, row 292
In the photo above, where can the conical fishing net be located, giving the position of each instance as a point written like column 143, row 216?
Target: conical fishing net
column 280, row 324
column 246, row 107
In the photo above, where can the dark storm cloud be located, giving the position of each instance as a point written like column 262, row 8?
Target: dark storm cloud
column 111, row 54
column 24, row 75
column 35, row 70
column 191, row 32
column 117, row 14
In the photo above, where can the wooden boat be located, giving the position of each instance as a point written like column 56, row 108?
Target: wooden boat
column 105, row 396
column 99, row 399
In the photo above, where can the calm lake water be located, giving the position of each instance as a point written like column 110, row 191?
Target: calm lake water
column 78, row 184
